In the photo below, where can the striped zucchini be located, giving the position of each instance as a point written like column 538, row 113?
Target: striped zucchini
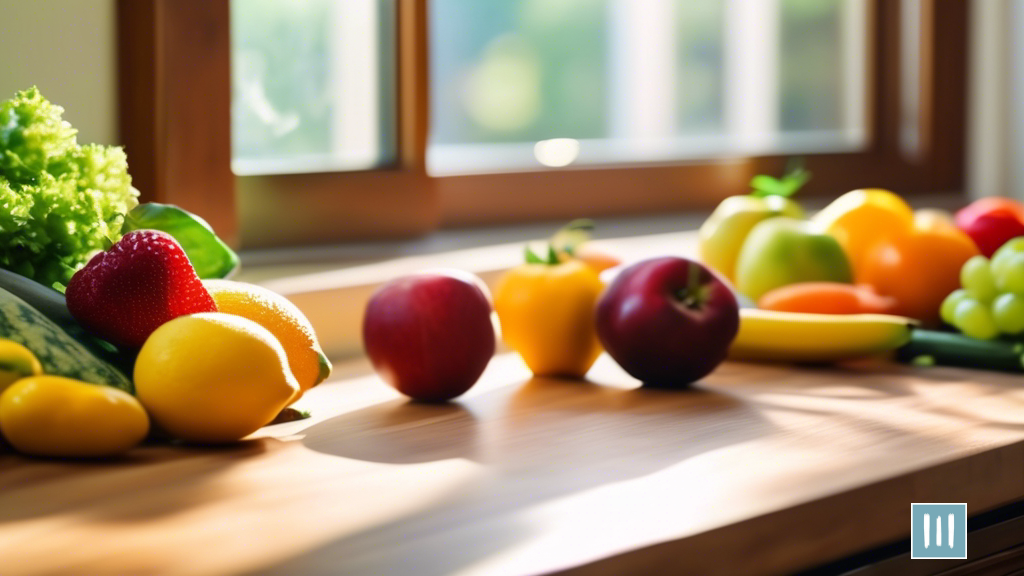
column 59, row 353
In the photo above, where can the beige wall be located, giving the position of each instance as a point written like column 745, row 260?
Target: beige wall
column 68, row 49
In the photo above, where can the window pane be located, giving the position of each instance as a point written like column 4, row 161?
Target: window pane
column 515, row 71
column 811, row 65
column 312, row 85
column 520, row 84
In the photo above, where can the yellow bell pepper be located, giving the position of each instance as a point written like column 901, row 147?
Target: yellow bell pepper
column 546, row 310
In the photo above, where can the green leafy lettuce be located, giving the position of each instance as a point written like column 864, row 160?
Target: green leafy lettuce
column 60, row 202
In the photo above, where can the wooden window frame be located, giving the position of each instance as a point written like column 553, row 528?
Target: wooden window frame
column 174, row 64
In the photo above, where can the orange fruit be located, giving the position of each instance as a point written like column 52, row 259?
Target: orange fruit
column 919, row 269
column 281, row 318
column 861, row 218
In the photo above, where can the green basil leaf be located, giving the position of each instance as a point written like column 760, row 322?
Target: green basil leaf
column 210, row 256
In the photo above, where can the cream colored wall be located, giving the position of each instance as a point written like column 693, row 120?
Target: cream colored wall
column 68, row 49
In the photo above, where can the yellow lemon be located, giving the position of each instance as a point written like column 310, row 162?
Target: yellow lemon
column 16, row 362
column 284, row 320
column 213, row 377
column 860, row 219
column 55, row 416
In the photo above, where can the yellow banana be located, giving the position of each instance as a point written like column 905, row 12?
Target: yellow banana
column 768, row 335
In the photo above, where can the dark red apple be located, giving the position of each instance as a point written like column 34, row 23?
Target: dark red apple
column 667, row 321
column 430, row 335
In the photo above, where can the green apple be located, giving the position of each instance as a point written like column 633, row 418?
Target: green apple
column 783, row 251
column 724, row 232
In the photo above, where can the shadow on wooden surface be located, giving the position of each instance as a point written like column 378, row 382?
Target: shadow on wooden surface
column 148, row 483
column 538, row 441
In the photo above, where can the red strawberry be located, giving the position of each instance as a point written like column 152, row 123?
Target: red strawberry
column 127, row 292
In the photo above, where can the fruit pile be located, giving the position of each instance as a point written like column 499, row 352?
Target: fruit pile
column 876, row 256
column 214, row 360
column 864, row 277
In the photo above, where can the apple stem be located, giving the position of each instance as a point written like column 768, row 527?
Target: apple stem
column 693, row 296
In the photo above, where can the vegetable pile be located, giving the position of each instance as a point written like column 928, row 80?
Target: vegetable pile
column 61, row 202
column 138, row 338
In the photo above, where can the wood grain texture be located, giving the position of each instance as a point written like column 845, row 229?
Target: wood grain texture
column 757, row 470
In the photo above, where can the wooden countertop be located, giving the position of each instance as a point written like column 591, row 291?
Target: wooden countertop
column 759, row 469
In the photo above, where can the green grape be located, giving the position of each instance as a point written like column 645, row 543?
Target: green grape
column 976, row 278
column 1011, row 275
column 974, row 320
column 1008, row 313
column 949, row 305
column 1002, row 255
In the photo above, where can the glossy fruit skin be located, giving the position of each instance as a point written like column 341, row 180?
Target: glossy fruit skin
column 860, row 218
column 990, row 222
column 547, row 316
column 827, row 298
column 783, row 251
column 430, row 335
column 124, row 294
column 654, row 335
column 56, row 416
column 919, row 268
column 213, row 378
column 723, row 234
column 283, row 319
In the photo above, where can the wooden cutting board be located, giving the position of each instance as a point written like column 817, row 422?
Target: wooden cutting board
column 759, row 469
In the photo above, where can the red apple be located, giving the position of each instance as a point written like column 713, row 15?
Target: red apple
column 990, row 222
column 430, row 335
column 667, row 321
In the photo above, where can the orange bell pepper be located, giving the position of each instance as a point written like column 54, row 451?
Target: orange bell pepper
column 572, row 242
column 919, row 267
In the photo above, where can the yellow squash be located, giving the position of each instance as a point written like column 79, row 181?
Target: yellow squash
column 546, row 309
column 56, row 416
column 16, row 362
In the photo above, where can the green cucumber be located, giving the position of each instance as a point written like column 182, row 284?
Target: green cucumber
column 44, row 299
column 59, row 353
column 950, row 349
column 53, row 305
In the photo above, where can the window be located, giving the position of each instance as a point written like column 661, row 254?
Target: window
column 363, row 118
column 523, row 84
column 312, row 85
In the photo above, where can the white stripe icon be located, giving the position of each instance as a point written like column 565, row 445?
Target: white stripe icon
column 938, row 530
